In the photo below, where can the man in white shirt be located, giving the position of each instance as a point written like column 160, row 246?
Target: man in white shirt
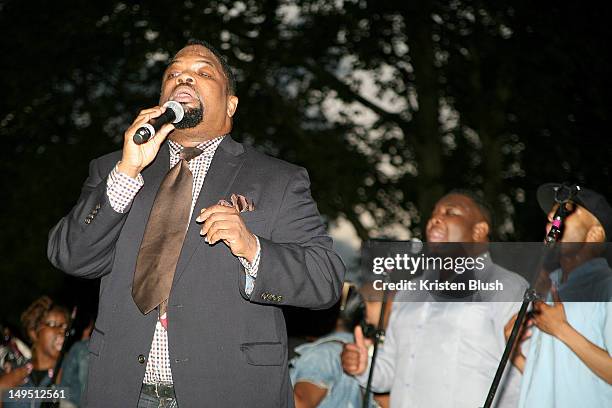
column 439, row 353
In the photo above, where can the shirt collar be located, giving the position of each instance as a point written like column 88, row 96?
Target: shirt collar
column 588, row 270
column 208, row 147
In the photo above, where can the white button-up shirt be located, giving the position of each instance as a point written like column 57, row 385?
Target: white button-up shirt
column 445, row 354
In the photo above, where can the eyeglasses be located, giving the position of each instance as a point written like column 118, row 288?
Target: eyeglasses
column 54, row 325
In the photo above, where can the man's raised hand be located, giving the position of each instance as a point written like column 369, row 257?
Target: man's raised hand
column 355, row 355
column 225, row 224
column 136, row 157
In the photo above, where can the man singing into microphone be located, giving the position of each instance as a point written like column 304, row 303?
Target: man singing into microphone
column 197, row 240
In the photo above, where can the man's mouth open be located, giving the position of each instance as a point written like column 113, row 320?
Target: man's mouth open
column 436, row 235
column 184, row 94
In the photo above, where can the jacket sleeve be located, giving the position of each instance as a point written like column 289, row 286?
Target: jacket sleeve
column 83, row 242
column 298, row 266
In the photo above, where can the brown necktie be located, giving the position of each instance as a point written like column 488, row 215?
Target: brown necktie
column 164, row 236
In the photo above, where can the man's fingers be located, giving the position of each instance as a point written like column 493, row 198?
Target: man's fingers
column 510, row 325
column 151, row 110
column 536, row 320
column 351, row 348
column 222, row 234
column 350, row 358
column 161, row 134
column 222, row 219
column 146, row 115
column 151, row 113
column 526, row 334
column 359, row 340
column 218, row 208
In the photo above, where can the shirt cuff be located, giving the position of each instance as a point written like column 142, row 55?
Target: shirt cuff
column 251, row 269
column 121, row 189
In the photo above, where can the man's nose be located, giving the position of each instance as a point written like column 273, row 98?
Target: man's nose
column 185, row 77
column 435, row 219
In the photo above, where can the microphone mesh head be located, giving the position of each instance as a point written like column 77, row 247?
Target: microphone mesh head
column 179, row 112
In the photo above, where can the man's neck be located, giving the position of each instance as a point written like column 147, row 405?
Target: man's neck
column 193, row 136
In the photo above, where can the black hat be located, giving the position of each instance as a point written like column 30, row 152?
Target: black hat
column 594, row 202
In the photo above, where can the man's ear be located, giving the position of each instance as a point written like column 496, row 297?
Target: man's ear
column 232, row 105
column 480, row 232
column 595, row 234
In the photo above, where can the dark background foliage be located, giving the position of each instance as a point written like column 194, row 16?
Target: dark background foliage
column 387, row 103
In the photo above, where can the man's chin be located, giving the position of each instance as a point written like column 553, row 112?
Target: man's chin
column 192, row 118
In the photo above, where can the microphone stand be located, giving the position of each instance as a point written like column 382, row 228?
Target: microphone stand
column 530, row 294
column 379, row 338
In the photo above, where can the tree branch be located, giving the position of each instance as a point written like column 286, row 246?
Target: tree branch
column 345, row 90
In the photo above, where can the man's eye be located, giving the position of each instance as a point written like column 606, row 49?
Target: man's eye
column 173, row 74
column 204, row 74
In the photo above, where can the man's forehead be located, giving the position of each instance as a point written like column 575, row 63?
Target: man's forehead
column 197, row 51
column 456, row 200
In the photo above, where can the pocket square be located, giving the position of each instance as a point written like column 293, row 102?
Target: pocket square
column 239, row 202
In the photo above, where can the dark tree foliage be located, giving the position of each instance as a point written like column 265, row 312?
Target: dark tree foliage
column 387, row 103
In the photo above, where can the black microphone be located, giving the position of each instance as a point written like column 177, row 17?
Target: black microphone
column 563, row 197
column 174, row 114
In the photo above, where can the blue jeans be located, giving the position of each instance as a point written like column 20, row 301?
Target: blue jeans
column 150, row 401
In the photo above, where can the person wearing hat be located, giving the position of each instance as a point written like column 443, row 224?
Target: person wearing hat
column 569, row 362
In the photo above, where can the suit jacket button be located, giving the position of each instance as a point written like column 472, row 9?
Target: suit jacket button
column 141, row 359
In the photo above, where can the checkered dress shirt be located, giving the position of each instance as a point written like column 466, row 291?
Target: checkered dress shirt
column 121, row 190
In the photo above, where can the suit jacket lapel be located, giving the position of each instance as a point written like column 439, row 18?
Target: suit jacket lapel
column 221, row 175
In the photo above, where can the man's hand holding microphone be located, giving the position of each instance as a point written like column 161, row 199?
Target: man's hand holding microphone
column 138, row 156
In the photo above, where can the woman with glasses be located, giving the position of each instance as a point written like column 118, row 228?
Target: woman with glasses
column 45, row 324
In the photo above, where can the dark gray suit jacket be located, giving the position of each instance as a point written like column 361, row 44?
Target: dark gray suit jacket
column 227, row 349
